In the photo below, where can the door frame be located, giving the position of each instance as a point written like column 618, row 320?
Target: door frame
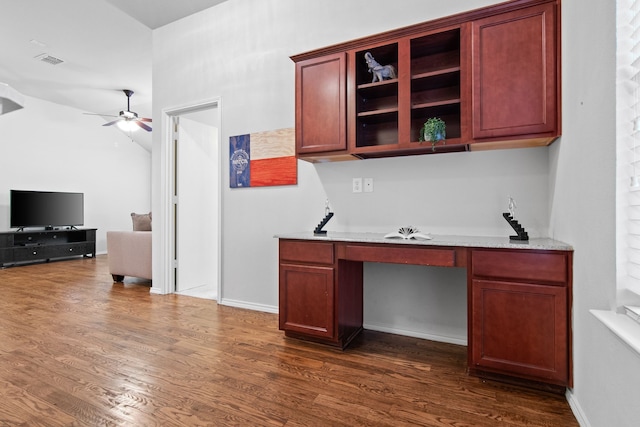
column 167, row 225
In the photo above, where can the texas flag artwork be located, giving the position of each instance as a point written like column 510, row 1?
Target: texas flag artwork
column 263, row 159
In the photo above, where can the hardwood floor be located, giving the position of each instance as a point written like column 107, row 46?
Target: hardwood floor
column 77, row 349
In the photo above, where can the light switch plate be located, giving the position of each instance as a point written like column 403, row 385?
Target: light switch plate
column 368, row 185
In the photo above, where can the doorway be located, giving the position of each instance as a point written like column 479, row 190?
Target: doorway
column 194, row 213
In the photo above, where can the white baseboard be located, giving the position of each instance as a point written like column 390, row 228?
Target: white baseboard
column 155, row 291
column 415, row 334
column 249, row 305
column 577, row 409
column 372, row 327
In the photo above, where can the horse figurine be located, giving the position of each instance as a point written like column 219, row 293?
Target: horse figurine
column 379, row 72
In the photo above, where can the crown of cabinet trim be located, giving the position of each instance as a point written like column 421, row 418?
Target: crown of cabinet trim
column 383, row 119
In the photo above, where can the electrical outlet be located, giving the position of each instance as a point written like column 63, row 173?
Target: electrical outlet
column 368, row 185
column 357, row 185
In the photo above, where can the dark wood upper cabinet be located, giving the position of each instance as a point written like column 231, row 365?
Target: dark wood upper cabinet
column 515, row 74
column 321, row 104
column 491, row 74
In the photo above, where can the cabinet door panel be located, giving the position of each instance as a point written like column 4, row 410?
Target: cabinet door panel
column 520, row 329
column 514, row 73
column 306, row 300
column 321, row 104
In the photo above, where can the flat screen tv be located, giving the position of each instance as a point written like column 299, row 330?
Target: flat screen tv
column 45, row 209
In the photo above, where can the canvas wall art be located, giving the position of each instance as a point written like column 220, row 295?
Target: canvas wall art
column 263, row 159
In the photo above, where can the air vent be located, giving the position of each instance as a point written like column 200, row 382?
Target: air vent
column 45, row 57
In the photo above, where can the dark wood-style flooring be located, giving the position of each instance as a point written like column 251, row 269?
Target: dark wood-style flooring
column 77, row 349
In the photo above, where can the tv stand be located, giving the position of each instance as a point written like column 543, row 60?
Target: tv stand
column 43, row 245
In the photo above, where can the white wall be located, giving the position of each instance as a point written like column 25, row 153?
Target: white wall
column 198, row 210
column 239, row 51
column 50, row 147
column 457, row 193
column 582, row 207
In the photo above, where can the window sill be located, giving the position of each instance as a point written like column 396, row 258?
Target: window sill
column 627, row 329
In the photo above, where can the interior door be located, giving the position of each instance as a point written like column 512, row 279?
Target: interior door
column 196, row 204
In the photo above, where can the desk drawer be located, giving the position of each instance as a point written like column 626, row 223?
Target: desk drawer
column 306, row 252
column 402, row 255
column 538, row 266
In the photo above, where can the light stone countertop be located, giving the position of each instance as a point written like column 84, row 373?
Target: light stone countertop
column 436, row 240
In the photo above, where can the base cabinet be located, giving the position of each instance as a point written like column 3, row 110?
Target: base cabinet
column 519, row 311
column 320, row 296
column 518, row 301
column 306, row 298
column 30, row 246
column 520, row 329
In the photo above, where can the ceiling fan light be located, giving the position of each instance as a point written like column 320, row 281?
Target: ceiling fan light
column 127, row 126
column 128, row 114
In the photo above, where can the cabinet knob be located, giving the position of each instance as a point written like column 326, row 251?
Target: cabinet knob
column 70, row 249
column 35, row 253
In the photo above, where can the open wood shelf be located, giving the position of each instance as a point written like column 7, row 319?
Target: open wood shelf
column 379, row 85
column 381, row 113
column 436, row 103
column 442, row 71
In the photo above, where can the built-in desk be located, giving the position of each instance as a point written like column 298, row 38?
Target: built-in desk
column 518, row 295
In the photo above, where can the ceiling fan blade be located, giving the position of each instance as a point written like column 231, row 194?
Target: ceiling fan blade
column 142, row 125
column 103, row 115
column 144, row 119
column 111, row 123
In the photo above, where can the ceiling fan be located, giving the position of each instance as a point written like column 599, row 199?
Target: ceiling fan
column 126, row 120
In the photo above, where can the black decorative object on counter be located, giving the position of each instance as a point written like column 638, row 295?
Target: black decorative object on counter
column 521, row 233
column 510, row 217
column 318, row 231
